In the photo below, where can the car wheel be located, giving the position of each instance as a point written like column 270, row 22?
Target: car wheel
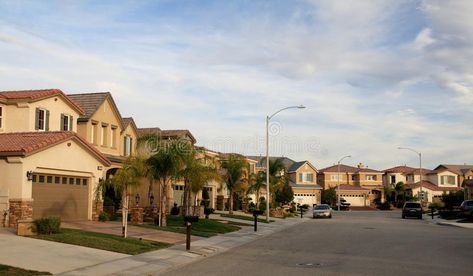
column 313, row 217
column 330, row 216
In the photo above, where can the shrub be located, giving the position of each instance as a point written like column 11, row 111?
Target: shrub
column 262, row 204
column 208, row 211
column 47, row 225
column 385, row 206
column 103, row 217
column 220, row 202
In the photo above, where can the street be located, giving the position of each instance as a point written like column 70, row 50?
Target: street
column 351, row 243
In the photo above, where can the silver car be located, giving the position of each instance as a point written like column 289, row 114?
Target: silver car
column 322, row 210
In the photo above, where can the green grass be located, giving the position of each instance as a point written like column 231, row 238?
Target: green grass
column 204, row 228
column 244, row 218
column 131, row 246
column 10, row 270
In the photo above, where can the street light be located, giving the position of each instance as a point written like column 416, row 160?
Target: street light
column 420, row 169
column 338, row 177
column 267, row 153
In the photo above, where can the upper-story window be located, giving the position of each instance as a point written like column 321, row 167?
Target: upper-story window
column 410, row 178
column 103, row 141
column 335, row 177
column 128, row 143
column 113, row 137
column 353, row 177
column 1, row 117
column 93, row 136
column 371, row 177
column 393, row 179
column 66, row 122
column 42, row 119
column 447, row 179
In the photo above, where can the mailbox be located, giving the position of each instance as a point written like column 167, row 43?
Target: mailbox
column 191, row 219
column 257, row 213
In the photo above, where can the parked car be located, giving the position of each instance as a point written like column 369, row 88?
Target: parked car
column 344, row 205
column 322, row 210
column 412, row 209
column 467, row 208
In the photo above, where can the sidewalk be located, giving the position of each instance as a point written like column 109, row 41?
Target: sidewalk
column 440, row 221
column 156, row 262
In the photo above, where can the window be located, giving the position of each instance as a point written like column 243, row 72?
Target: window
column 447, row 180
column 49, row 179
column 113, row 137
column 103, row 141
column 84, row 182
column 371, row 177
column 93, row 138
column 57, row 179
column 128, row 143
column 301, row 177
column 42, row 119
column 35, row 177
column 71, row 180
column 393, row 179
column 66, row 122
column 1, row 117
column 410, row 178
column 353, row 177
column 334, row 177
column 64, row 180
column 41, row 179
column 78, row 181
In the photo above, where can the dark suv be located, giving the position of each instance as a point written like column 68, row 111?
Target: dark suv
column 412, row 209
column 467, row 208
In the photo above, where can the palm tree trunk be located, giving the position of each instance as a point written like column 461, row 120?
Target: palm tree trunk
column 125, row 215
column 164, row 204
column 230, row 211
column 257, row 198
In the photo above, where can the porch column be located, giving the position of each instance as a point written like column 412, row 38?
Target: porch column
column 20, row 209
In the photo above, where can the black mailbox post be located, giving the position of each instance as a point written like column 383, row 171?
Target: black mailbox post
column 188, row 220
column 256, row 213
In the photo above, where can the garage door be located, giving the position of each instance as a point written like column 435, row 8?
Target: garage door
column 355, row 200
column 58, row 195
column 308, row 198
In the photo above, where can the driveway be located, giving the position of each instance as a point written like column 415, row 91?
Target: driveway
column 48, row 256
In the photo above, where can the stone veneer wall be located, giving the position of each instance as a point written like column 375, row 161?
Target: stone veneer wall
column 20, row 209
column 97, row 209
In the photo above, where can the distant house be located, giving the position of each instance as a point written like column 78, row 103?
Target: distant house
column 359, row 186
column 302, row 178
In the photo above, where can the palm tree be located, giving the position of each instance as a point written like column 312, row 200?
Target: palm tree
column 122, row 182
column 258, row 181
column 198, row 169
column 164, row 167
column 236, row 171
column 399, row 189
column 277, row 176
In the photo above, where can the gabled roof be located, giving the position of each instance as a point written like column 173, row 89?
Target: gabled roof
column 37, row 95
column 294, row 167
column 456, row 169
column 431, row 186
column 408, row 170
column 129, row 121
column 348, row 169
column 166, row 133
column 28, row 143
column 91, row 102
column 287, row 162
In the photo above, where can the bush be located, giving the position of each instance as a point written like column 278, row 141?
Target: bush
column 208, row 211
column 220, row 202
column 262, row 204
column 47, row 225
column 385, row 206
column 103, row 217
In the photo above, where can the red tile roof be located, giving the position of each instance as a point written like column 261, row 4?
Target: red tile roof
column 431, row 186
column 346, row 187
column 39, row 94
column 348, row 169
column 27, row 143
column 408, row 170
column 166, row 133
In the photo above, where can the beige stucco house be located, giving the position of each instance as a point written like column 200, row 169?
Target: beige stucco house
column 46, row 168
column 359, row 186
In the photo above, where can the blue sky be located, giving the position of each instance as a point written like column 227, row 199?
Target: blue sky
column 373, row 74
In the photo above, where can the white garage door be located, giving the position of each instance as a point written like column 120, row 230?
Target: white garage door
column 308, row 198
column 355, row 200
column 63, row 196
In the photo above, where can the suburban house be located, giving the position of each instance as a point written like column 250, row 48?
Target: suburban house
column 359, row 186
column 302, row 178
column 39, row 151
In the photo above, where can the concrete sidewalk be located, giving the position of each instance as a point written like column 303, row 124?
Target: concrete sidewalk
column 156, row 262
column 54, row 257
column 445, row 222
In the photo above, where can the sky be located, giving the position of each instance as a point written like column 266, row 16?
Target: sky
column 374, row 75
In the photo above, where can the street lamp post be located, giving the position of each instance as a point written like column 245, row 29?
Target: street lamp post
column 338, row 178
column 420, row 170
column 268, row 118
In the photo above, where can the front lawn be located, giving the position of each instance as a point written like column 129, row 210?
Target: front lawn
column 10, row 270
column 203, row 228
column 131, row 246
column 244, row 218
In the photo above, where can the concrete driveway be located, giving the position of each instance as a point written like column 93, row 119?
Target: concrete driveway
column 48, row 256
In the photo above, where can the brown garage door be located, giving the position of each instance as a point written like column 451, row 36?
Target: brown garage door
column 59, row 195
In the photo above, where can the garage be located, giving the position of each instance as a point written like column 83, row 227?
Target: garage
column 307, row 198
column 354, row 199
column 60, row 195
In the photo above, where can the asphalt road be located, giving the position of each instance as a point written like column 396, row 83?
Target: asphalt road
column 351, row 243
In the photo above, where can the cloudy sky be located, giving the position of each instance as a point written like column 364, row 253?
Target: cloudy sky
column 374, row 75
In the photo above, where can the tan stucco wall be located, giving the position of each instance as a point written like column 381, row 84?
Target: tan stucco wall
column 399, row 178
column 21, row 117
column 129, row 131
column 435, row 178
column 294, row 176
column 61, row 159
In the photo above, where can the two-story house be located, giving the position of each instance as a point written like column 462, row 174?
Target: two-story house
column 359, row 186
column 45, row 167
